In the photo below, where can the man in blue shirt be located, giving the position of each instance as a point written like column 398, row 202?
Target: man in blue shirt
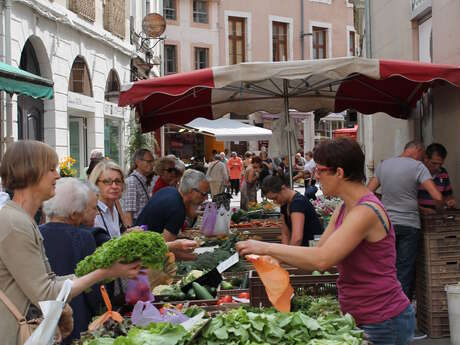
column 166, row 211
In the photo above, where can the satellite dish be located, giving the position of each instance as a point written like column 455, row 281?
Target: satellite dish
column 153, row 25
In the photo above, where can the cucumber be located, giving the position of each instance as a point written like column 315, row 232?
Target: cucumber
column 226, row 285
column 191, row 294
column 201, row 292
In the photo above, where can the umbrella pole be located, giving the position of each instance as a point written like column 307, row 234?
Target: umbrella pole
column 288, row 126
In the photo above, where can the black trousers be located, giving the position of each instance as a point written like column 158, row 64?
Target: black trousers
column 235, row 186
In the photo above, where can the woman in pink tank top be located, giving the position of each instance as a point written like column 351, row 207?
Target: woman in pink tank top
column 360, row 241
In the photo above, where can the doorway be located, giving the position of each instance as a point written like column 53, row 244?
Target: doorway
column 78, row 146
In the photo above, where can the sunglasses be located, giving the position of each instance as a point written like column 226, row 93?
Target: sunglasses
column 171, row 170
column 109, row 181
column 199, row 191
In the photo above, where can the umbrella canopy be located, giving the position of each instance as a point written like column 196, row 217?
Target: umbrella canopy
column 230, row 130
column 366, row 85
column 16, row 80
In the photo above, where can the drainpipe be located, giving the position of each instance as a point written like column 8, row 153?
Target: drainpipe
column 9, row 102
column 302, row 32
column 368, row 30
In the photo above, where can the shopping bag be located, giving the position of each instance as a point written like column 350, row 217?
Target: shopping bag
column 209, row 219
column 276, row 281
column 51, row 310
column 145, row 313
column 222, row 226
column 109, row 314
column 138, row 289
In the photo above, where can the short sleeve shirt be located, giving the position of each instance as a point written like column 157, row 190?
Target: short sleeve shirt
column 311, row 226
column 442, row 182
column 165, row 210
column 135, row 196
column 400, row 178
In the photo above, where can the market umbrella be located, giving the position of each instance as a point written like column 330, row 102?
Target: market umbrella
column 366, row 85
column 16, row 80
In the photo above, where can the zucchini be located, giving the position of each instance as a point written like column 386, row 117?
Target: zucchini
column 191, row 294
column 201, row 292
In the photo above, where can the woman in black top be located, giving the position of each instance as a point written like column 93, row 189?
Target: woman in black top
column 299, row 219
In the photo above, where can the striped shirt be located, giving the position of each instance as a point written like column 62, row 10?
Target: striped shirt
column 442, row 182
column 135, row 196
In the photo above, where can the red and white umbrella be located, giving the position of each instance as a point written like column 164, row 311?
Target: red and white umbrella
column 366, row 85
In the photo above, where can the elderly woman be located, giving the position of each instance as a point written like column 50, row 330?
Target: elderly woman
column 29, row 169
column 166, row 169
column 66, row 243
column 109, row 178
column 360, row 241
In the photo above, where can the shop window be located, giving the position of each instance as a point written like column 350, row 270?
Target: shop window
column 319, row 43
column 236, row 40
column 170, row 59
column 112, row 139
column 78, row 143
column 201, row 58
column 170, row 9
column 279, row 40
column 352, row 43
column 112, row 87
column 80, row 81
column 200, row 11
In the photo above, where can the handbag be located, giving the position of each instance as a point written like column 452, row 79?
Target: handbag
column 26, row 327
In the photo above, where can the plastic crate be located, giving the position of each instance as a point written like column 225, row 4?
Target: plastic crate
column 231, row 292
column 299, row 279
column 448, row 221
column 440, row 246
column 435, row 324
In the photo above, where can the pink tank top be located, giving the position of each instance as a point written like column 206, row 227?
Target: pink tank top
column 368, row 286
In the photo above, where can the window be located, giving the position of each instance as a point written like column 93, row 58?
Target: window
column 201, row 58
column 236, row 40
column 112, row 139
column 200, row 11
column 170, row 59
column 351, row 44
column 80, row 81
column 112, row 87
column 279, row 39
column 170, row 9
column 319, row 43
column 78, row 143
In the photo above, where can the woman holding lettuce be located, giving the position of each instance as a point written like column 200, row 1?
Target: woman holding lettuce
column 360, row 241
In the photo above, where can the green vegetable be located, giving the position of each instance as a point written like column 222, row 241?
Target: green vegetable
column 226, row 285
column 212, row 290
column 149, row 247
column 201, row 292
column 326, row 273
column 316, row 273
column 191, row 276
column 245, row 282
column 191, row 294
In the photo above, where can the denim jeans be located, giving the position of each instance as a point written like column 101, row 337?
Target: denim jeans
column 406, row 252
column 398, row 330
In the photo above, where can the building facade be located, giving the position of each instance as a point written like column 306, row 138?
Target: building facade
column 85, row 48
column 421, row 30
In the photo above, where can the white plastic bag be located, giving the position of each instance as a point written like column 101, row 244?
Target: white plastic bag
column 52, row 311
column 222, row 226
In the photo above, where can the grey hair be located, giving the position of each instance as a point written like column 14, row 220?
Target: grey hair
column 190, row 180
column 92, row 187
column 72, row 196
column 414, row 144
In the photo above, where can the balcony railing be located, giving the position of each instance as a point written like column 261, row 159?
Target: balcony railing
column 84, row 8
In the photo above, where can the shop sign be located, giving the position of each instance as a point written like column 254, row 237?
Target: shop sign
column 81, row 102
column 112, row 109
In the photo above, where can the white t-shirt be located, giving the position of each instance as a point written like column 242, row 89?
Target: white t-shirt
column 309, row 166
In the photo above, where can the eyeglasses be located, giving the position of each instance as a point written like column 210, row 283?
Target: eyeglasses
column 109, row 181
column 171, row 170
column 202, row 193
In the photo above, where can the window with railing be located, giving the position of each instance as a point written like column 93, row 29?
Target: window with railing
column 201, row 58
column 170, row 9
column 84, row 8
column 236, row 40
column 170, row 59
column 201, row 11
column 319, row 42
column 114, row 17
column 279, row 40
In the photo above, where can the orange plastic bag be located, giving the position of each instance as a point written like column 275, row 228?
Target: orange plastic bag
column 109, row 314
column 276, row 281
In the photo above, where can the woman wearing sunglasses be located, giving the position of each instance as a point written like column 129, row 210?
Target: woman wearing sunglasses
column 167, row 173
column 360, row 241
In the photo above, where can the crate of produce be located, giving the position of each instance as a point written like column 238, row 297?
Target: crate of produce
column 272, row 235
column 445, row 222
column 435, row 324
column 231, row 292
column 315, row 285
column 440, row 246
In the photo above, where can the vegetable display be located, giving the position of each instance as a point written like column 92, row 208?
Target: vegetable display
column 149, row 247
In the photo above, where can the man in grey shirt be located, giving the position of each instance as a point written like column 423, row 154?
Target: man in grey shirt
column 400, row 178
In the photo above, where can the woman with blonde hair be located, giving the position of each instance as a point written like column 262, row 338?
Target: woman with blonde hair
column 29, row 170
